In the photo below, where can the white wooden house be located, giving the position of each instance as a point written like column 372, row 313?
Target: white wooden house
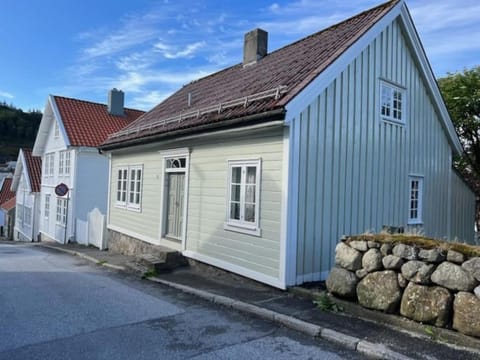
column 26, row 185
column 260, row 168
column 67, row 140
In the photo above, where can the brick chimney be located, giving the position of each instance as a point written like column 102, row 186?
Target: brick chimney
column 115, row 102
column 255, row 46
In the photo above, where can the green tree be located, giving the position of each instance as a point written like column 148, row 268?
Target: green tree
column 461, row 92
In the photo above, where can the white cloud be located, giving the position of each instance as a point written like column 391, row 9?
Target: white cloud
column 5, row 94
column 173, row 52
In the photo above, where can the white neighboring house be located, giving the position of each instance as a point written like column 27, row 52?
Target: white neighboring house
column 67, row 140
column 26, row 185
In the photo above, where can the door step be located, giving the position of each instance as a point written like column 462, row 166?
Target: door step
column 163, row 262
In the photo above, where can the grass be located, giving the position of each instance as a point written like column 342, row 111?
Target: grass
column 325, row 303
column 418, row 240
column 101, row 262
column 432, row 332
column 150, row 273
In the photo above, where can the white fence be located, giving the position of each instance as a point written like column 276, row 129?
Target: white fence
column 92, row 231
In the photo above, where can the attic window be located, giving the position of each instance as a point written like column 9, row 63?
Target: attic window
column 392, row 102
column 56, row 132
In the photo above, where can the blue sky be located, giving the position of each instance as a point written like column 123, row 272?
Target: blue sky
column 151, row 48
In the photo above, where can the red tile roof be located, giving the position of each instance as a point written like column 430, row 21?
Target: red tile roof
column 9, row 204
column 5, row 192
column 34, row 169
column 88, row 123
column 292, row 67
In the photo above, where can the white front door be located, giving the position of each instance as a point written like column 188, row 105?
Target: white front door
column 176, row 194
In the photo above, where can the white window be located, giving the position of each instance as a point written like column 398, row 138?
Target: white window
column 415, row 201
column 64, row 163
column 122, row 179
column 392, row 102
column 56, row 131
column 243, row 196
column 67, row 162
column 49, row 164
column 61, row 162
column 47, row 206
column 61, row 211
column 129, row 187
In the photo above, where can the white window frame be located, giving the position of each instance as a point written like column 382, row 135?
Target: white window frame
column 56, row 130
column 392, row 89
column 64, row 163
column 49, row 164
column 61, row 162
column 61, row 217
column 246, row 227
column 46, row 211
column 129, row 181
column 415, row 196
column 122, row 186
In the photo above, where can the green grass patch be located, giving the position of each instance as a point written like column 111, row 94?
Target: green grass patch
column 324, row 302
column 419, row 241
column 150, row 273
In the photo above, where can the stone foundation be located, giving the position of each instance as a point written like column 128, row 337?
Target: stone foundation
column 435, row 285
column 127, row 245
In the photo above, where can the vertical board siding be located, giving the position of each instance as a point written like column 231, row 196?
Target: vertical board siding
column 354, row 167
column 463, row 210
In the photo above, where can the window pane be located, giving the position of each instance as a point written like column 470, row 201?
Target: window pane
column 250, row 212
column 235, row 196
column 251, row 174
column 250, row 194
column 235, row 210
column 139, row 174
column 236, row 175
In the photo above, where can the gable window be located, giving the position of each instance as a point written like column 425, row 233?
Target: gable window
column 416, row 200
column 392, row 102
column 64, row 163
column 129, row 187
column 56, row 131
column 243, row 196
column 61, row 211
column 47, row 206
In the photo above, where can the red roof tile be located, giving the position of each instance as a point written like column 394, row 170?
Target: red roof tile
column 293, row 67
column 34, row 168
column 9, row 204
column 5, row 192
column 88, row 123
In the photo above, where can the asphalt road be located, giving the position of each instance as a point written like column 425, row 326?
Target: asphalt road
column 55, row 306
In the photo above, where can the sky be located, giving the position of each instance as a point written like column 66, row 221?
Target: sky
column 149, row 49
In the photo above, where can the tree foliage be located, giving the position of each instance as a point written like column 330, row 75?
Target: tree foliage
column 461, row 92
column 17, row 129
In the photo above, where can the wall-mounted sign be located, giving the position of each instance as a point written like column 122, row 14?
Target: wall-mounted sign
column 61, row 189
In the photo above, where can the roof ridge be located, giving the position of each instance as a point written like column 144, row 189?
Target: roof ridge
column 91, row 102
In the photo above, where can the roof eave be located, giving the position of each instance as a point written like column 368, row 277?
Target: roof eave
column 272, row 115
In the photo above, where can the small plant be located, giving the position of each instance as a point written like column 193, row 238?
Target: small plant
column 101, row 262
column 150, row 273
column 325, row 303
column 432, row 333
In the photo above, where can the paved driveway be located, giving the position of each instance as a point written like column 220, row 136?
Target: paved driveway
column 55, row 306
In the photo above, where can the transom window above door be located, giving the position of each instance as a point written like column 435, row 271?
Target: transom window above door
column 176, row 163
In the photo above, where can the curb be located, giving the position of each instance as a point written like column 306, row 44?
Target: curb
column 372, row 350
column 84, row 256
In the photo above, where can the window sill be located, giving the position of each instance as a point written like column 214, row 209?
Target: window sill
column 415, row 222
column 127, row 207
column 393, row 121
column 242, row 229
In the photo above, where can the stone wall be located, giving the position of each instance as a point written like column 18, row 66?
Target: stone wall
column 437, row 286
column 127, row 245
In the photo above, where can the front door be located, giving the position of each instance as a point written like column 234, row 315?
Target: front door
column 176, row 184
